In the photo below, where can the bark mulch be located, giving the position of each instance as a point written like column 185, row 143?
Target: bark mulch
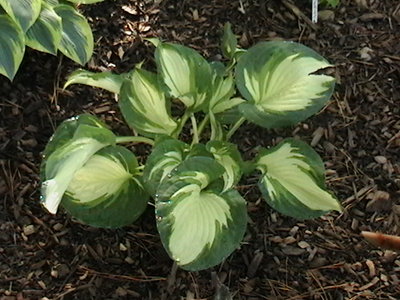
column 357, row 134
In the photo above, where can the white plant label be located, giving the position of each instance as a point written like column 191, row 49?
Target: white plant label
column 314, row 11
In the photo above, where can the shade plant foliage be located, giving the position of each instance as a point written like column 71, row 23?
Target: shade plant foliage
column 200, row 215
column 44, row 25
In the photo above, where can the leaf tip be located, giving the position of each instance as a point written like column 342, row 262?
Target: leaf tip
column 50, row 198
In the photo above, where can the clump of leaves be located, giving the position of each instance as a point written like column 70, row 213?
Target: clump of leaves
column 200, row 215
column 44, row 25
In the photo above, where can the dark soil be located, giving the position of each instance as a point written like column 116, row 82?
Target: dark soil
column 357, row 135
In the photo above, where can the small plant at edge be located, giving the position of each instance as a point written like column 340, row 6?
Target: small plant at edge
column 44, row 25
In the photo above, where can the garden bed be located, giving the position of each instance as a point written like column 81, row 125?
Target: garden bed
column 357, row 135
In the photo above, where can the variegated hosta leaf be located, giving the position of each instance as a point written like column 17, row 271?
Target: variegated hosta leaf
column 186, row 74
column 12, row 46
column 293, row 180
column 104, row 80
column 45, row 34
column 73, row 144
column 229, row 157
column 217, row 131
column 24, row 12
column 199, row 226
column 77, row 38
column 51, row 2
column 107, row 190
column 85, row 1
column 277, row 80
column 229, row 42
column 167, row 154
column 222, row 89
column 144, row 106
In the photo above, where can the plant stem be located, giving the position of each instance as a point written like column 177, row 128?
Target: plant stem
column 134, row 139
column 182, row 122
column 235, row 127
column 203, row 124
column 194, row 128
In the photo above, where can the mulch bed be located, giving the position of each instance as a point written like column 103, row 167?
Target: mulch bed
column 357, row 135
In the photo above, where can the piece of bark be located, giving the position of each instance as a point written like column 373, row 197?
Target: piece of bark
column 384, row 241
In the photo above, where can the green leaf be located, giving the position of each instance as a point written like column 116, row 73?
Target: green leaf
column 85, row 1
column 277, row 80
column 227, row 105
column 332, row 3
column 222, row 90
column 107, row 190
column 77, row 38
column 186, row 74
column 167, row 154
column 293, row 180
column 45, row 34
column 229, row 42
column 24, row 12
column 104, row 80
column 66, row 130
column 12, row 46
column 52, row 3
column 199, row 225
column 73, row 144
column 217, row 131
column 229, row 157
column 144, row 106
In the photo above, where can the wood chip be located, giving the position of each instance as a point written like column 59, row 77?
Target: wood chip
column 317, row 135
column 371, row 267
column 372, row 16
column 29, row 229
column 290, row 250
column 255, row 263
column 303, row 244
column 380, row 201
column 380, row 159
column 374, row 281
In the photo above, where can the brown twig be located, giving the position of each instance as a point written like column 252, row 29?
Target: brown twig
column 384, row 241
column 121, row 277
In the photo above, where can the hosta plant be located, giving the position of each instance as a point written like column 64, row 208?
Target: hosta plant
column 44, row 25
column 200, row 215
